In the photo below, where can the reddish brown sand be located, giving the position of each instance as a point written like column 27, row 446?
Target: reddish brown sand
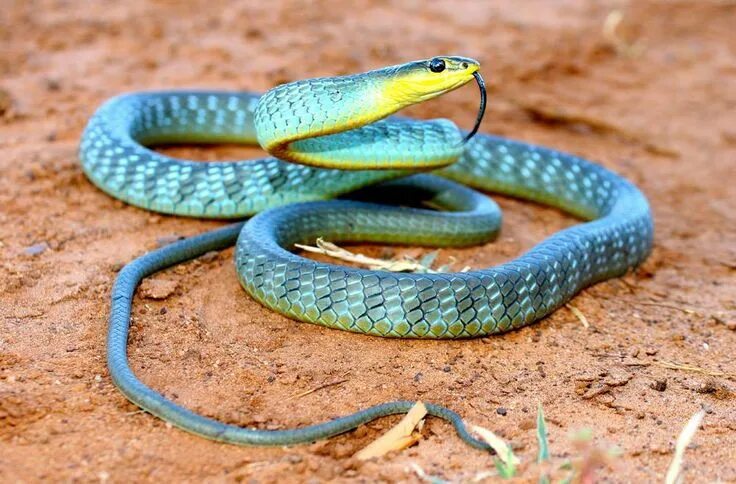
column 655, row 102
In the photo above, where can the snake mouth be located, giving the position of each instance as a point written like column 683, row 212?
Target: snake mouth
column 481, row 107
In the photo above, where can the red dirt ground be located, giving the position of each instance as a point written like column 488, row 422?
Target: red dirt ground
column 654, row 101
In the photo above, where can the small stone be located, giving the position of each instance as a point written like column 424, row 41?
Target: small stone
column 617, row 378
column 116, row 266
column 158, row 288
column 163, row 310
column 36, row 249
column 659, row 385
column 731, row 325
column 6, row 102
column 447, row 369
column 501, row 411
column 52, row 84
column 709, row 386
column 210, row 256
column 294, row 458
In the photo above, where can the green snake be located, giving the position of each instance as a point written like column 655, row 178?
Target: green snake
column 334, row 137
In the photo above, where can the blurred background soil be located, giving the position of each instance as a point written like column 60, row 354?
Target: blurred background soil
column 647, row 88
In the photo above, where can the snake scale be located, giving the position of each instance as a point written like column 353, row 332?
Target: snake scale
column 334, row 138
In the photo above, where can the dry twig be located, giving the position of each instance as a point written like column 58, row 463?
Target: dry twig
column 668, row 306
column 695, row 369
column 320, row 387
column 674, row 472
column 578, row 314
column 404, row 265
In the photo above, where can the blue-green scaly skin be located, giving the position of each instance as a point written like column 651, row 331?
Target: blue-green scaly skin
column 327, row 118
column 617, row 237
column 114, row 158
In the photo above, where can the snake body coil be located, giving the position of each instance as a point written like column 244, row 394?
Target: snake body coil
column 338, row 122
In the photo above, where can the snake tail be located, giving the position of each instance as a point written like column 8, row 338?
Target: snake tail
column 137, row 392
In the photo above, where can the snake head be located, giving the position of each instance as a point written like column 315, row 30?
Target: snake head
column 419, row 81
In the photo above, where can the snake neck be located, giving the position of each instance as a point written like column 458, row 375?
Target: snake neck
column 334, row 123
column 318, row 107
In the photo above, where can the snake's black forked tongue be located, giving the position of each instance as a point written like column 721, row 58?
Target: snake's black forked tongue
column 481, row 108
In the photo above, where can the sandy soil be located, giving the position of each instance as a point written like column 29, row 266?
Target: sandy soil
column 655, row 102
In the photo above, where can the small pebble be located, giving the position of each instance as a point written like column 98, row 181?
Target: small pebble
column 52, row 84
column 158, row 288
column 501, row 411
column 659, row 385
column 294, row 458
column 210, row 256
column 36, row 249
column 6, row 102
column 447, row 369
column 708, row 386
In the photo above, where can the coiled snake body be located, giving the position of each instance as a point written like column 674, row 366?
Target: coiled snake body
column 334, row 139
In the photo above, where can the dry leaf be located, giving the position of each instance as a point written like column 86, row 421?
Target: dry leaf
column 399, row 437
column 503, row 450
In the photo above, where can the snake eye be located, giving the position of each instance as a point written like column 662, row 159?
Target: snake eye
column 436, row 65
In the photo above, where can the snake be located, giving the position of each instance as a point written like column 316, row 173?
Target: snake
column 344, row 167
